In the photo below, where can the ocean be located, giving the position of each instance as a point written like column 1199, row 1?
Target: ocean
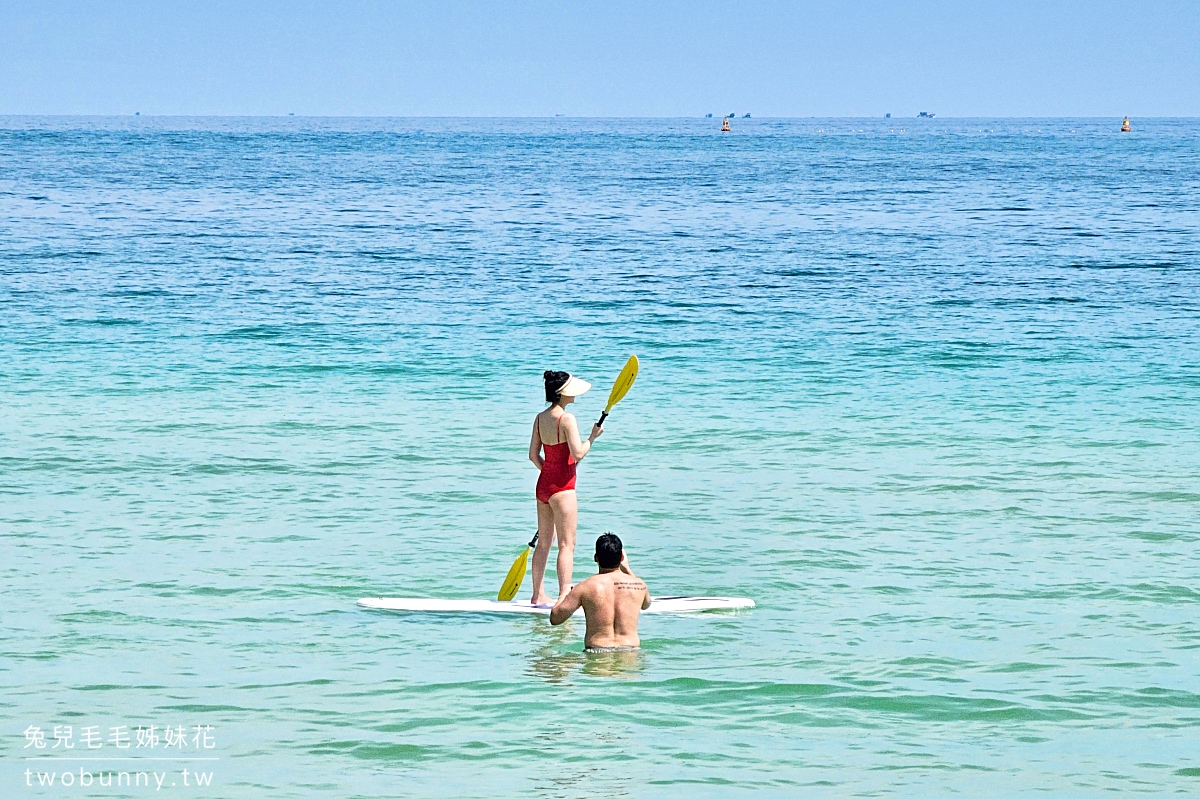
column 925, row 390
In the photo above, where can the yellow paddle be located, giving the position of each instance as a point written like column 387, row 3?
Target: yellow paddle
column 620, row 387
column 516, row 574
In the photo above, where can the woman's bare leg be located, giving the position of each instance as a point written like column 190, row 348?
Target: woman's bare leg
column 566, row 518
column 541, row 553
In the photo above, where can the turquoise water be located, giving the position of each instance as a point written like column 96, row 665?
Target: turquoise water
column 925, row 391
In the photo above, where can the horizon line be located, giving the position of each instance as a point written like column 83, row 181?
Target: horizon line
column 934, row 118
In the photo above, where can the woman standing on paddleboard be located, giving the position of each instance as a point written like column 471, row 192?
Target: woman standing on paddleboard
column 557, row 433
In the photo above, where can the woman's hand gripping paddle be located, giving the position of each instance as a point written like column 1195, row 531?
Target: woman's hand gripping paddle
column 516, row 575
column 620, row 387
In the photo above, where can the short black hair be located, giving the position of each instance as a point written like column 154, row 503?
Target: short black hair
column 554, row 383
column 608, row 551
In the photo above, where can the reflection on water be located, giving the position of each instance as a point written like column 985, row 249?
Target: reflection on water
column 549, row 659
column 559, row 653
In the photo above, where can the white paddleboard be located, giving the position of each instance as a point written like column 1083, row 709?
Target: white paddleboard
column 658, row 604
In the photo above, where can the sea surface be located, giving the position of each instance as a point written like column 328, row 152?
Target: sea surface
column 926, row 390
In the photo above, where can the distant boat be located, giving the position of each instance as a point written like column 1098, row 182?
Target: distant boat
column 926, row 114
column 708, row 116
column 887, row 116
column 745, row 116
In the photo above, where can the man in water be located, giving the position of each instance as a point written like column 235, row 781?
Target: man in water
column 612, row 600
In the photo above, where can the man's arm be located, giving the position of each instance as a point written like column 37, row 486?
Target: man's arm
column 566, row 606
column 625, row 568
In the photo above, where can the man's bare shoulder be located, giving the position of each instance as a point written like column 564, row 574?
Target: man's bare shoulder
column 618, row 581
column 628, row 582
column 588, row 586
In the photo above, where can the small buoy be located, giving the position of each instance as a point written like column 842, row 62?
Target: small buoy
column 1125, row 126
column 725, row 125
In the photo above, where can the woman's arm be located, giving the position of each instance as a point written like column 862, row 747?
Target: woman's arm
column 579, row 448
column 535, row 446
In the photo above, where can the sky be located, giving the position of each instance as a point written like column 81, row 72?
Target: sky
column 654, row 58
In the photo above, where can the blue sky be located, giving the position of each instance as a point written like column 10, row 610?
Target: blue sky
column 614, row 58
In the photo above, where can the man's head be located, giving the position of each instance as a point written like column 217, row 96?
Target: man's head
column 608, row 551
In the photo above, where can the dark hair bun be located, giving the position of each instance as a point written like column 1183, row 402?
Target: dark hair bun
column 554, row 383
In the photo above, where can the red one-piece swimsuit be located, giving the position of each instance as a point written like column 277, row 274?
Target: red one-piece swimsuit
column 558, row 468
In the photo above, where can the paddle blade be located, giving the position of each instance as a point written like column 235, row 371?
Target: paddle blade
column 516, row 576
column 624, row 381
